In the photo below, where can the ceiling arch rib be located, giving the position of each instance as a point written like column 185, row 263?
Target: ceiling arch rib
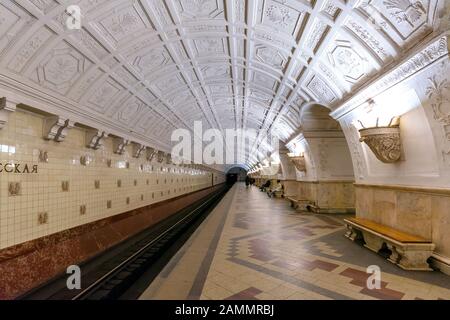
column 150, row 67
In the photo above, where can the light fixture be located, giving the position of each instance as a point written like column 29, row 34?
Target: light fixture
column 298, row 161
column 384, row 141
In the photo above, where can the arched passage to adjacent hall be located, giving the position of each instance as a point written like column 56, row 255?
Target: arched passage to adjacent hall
column 325, row 183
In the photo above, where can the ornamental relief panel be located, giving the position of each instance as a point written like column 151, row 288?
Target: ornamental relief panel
column 200, row 9
column 117, row 25
column 438, row 93
column 280, row 16
column 61, row 68
column 231, row 52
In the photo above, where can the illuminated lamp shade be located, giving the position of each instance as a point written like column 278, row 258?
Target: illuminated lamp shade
column 299, row 162
column 384, row 141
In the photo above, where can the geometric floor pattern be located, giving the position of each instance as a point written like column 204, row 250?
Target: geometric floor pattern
column 269, row 251
column 256, row 247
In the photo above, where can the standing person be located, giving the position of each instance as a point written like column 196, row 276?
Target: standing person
column 247, row 181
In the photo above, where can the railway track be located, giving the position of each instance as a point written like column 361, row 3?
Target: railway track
column 110, row 275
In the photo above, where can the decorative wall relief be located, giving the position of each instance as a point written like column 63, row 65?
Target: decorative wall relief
column 439, row 94
column 14, row 189
column 97, row 184
column 109, row 163
column 42, row 218
column 43, row 156
column 108, row 204
column 384, row 142
column 65, row 186
column 82, row 210
column 56, row 128
column 85, row 160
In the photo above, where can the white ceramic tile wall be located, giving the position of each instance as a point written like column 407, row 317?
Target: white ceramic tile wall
column 21, row 142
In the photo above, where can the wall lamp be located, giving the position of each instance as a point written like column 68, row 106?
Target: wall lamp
column 384, row 141
column 298, row 161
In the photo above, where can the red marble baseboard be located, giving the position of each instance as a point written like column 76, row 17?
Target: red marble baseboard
column 30, row 264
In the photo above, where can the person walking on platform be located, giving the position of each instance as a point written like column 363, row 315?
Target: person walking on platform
column 247, row 181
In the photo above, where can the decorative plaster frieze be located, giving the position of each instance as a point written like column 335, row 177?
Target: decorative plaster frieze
column 56, row 128
column 6, row 107
column 119, row 145
column 95, row 139
column 428, row 55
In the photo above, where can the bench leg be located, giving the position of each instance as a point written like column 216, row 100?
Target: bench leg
column 414, row 260
column 395, row 255
column 353, row 234
column 372, row 242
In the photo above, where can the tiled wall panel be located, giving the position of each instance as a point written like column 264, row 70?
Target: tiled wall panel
column 64, row 193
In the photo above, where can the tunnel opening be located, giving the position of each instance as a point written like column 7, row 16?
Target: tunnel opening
column 236, row 174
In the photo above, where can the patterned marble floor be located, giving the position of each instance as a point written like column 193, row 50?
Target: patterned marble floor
column 255, row 247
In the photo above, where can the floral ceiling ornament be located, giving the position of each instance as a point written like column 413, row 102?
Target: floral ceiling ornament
column 409, row 11
column 279, row 15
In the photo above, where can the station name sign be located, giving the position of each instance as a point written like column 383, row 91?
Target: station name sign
column 18, row 168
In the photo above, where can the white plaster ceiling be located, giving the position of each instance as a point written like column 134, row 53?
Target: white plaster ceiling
column 147, row 67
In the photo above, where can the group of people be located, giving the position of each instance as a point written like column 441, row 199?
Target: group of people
column 266, row 186
column 249, row 181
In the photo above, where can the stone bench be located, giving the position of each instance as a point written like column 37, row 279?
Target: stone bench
column 409, row 252
column 302, row 204
column 279, row 194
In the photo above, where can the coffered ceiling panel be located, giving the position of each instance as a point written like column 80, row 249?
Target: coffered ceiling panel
column 151, row 66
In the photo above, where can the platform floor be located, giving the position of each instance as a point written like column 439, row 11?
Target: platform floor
column 255, row 247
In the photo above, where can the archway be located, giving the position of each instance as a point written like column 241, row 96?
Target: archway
column 324, row 170
column 236, row 174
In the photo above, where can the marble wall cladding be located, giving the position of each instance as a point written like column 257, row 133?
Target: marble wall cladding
column 328, row 196
column 290, row 188
column 27, row 265
column 419, row 211
column 63, row 184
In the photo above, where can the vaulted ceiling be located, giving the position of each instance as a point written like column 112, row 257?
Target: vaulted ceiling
column 147, row 67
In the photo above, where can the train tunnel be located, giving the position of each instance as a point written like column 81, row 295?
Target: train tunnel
column 224, row 150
